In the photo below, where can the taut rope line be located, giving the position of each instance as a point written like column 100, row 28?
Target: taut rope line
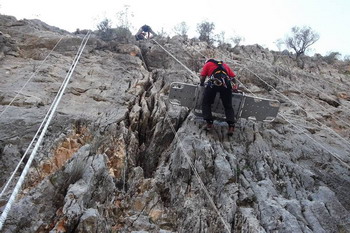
column 31, row 157
column 197, row 176
column 188, row 157
column 30, row 78
column 293, row 102
column 38, row 131
column 335, row 155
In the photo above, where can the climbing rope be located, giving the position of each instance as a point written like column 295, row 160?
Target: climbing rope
column 186, row 154
column 39, row 129
column 143, row 60
column 287, row 71
column 293, row 102
column 297, row 105
column 188, row 69
column 326, row 110
column 309, row 98
column 32, row 155
column 335, row 155
column 197, row 175
column 285, row 96
column 30, row 78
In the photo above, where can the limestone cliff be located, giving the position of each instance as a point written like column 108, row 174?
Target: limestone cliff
column 110, row 161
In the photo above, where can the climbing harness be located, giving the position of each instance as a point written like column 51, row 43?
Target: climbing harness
column 335, row 155
column 219, row 76
column 188, row 157
column 315, row 88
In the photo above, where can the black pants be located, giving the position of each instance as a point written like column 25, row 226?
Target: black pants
column 226, row 98
column 140, row 37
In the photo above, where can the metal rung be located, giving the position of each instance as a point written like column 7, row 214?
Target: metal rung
column 191, row 96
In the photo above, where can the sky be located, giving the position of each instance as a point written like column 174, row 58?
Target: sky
column 257, row 21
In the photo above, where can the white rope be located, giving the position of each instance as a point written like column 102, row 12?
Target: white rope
column 197, row 175
column 31, row 157
column 332, row 153
column 200, row 53
column 40, row 127
column 335, row 155
column 289, row 72
column 30, row 78
column 325, row 109
column 332, row 98
column 193, row 73
column 320, row 105
column 315, row 88
column 188, row 157
column 293, row 102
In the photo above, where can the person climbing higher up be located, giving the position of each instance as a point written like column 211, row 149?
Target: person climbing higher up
column 144, row 33
column 221, row 79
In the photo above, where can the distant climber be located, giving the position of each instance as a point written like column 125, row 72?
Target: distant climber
column 221, row 79
column 145, row 32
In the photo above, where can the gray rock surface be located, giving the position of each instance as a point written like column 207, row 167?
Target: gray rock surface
column 110, row 161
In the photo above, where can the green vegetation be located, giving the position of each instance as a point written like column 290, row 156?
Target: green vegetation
column 206, row 31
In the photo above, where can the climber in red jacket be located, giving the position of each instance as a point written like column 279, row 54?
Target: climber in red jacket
column 221, row 79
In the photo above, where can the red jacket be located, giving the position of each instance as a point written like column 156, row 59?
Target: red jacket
column 209, row 68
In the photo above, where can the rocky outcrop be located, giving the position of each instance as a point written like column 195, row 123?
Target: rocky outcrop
column 7, row 46
column 119, row 158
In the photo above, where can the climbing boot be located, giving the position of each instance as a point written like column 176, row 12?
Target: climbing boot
column 231, row 128
column 208, row 126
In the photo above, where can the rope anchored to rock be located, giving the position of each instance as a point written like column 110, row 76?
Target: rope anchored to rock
column 42, row 134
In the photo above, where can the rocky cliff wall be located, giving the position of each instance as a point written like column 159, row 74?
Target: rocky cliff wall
column 111, row 161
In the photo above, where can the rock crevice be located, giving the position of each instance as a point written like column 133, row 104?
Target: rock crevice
column 111, row 162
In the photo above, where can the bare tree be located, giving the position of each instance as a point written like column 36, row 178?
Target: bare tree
column 181, row 29
column 162, row 33
column 300, row 40
column 205, row 30
column 122, row 32
column 237, row 40
column 279, row 43
column 104, row 25
column 222, row 42
column 105, row 30
column 124, row 16
column 221, row 38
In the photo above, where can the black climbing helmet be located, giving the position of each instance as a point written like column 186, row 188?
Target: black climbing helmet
column 146, row 28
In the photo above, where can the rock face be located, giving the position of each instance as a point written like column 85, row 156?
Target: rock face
column 118, row 157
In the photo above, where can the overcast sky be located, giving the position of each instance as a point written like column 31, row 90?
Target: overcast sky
column 258, row 21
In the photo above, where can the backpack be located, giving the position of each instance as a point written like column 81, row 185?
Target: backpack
column 220, row 77
column 220, row 72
